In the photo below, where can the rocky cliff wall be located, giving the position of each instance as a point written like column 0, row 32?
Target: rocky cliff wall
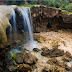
column 5, row 16
column 45, row 18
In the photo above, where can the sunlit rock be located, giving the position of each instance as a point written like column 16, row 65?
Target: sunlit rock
column 4, row 24
column 5, row 16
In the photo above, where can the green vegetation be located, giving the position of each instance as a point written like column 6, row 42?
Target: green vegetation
column 68, row 13
column 28, row 5
column 68, row 7
column 63, row 4
column 14, row 56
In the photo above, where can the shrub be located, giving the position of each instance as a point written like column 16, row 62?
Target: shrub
column 68, row 7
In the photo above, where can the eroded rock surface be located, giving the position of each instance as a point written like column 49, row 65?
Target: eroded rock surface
column 5, row 15
column 4, row 24
column 53, row 52
column 45, row 18
column 25, row 57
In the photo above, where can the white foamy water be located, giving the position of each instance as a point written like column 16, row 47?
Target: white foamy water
column 27, row 19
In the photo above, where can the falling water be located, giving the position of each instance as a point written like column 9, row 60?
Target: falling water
column 13, row 29
column 28, row 22
column 10, row 37
column 26, row 13
column 13, row 21
column 24, row 23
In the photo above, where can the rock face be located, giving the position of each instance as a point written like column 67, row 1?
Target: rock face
column 45, row 18
column 6, row 11
column 5, row 15
column 4, row 24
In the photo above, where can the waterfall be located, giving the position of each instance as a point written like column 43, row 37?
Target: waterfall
column 13, row 29
column 27, row 22
column 10, row 37
column 27, row 19
column 13, row 21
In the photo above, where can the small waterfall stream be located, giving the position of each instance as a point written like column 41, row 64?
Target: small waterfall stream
column 13, row 29
column 14, row 24
column 27, row 22
column 26, row 13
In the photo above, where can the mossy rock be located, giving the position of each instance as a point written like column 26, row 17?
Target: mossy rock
column 14, row 56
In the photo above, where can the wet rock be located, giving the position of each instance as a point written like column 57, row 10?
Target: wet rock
column 53, row 52
column 36, row 50
column 56, row 52
column 24, row 68
column 25, row 57
column 18, row 57
column 68, row 54
column 45, row 51
column 29, row 58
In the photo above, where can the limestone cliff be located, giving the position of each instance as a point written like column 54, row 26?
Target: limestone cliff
column 4, row 24
column 5, row 15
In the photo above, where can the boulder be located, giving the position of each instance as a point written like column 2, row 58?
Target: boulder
column 29, row 58
column 36, row 50
column 52, row 53
column 25, row 57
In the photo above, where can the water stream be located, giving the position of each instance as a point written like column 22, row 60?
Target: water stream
column 28, row 29
column 13, row 29
column 27, row 22
column 13, row 21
